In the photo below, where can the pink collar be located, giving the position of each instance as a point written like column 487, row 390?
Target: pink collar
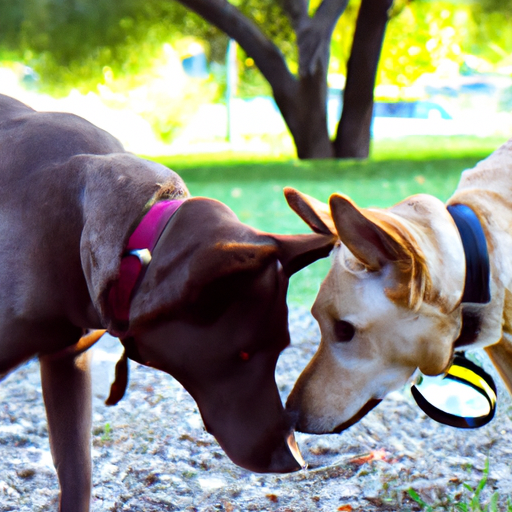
column 137, row 256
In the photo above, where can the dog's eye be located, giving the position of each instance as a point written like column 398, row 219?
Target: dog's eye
column 244, row 356
column 344, row 331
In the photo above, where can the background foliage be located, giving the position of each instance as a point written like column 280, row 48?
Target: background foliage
column 122, row 45
column 69, row 42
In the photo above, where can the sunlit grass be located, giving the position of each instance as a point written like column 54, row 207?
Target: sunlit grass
column 253, row 185
column 435, row 147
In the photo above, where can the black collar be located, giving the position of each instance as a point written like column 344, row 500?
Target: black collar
column 477, row 284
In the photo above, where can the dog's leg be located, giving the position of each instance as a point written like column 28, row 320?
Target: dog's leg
column 67, row 395
column 501, row 356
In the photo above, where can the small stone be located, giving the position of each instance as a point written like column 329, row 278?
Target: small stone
column 26, row 472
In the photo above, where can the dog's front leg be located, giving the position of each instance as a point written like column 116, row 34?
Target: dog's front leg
column 67, row 393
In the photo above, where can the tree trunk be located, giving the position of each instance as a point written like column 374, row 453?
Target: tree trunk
column 301, row 100
column 304, row 111
column 305, row 108
column 297, row 98
column 353, row 135
column 311, row 135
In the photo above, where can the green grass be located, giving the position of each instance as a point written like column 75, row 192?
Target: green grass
column 471, row 501
column 252, row 185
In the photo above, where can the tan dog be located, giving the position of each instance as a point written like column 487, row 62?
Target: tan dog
column 404, row 291
column 93, row 237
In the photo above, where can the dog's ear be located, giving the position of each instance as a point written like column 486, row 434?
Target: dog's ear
column 313, row 212
column 226, row 258
column 294, row 252
column 190, row 266
column 299, row 251
column 117, row 187
column 364, row 234
column 182, row 266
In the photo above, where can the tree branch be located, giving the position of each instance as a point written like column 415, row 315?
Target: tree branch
column 353, row 136
column 328, row 13
column 296, row 10
column 265, row 53
column 314, row 36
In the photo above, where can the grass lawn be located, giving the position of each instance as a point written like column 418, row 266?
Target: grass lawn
column 252, row 185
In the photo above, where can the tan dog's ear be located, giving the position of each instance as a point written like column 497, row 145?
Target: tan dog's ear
column 313, row 212
column 363, row 235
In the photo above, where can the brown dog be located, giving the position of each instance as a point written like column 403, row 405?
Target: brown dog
column 92, row 237
column 407, row 286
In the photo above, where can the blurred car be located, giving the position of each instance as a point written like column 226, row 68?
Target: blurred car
column 396, row 112
column 410, row 110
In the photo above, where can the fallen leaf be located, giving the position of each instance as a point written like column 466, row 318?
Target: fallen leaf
column 375, row 455
column 228, row 507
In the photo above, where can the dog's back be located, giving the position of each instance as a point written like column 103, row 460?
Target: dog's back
column 30, row 140
column 10, row 108
column 487, row 189
column 493, row 174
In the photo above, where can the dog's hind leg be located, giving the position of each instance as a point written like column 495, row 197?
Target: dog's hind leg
column 67, row 394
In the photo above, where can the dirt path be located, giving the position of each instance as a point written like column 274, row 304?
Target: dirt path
column 151, row 452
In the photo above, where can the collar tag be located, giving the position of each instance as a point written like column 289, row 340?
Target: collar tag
column 143, row 255
column 464, row 397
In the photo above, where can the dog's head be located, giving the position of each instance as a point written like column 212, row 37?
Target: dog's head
column 388, row 305
column 211, row 311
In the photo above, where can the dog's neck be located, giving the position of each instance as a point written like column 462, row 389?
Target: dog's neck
column 477, row 282
column 136, row 258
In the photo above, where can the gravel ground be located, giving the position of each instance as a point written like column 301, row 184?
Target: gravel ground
column 151, row 452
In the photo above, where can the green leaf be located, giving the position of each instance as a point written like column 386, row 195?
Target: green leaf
column 416, row 497
column 493, row 503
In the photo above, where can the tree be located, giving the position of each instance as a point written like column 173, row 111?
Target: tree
column 302, row 98
column 70, row 42
column 68, row 38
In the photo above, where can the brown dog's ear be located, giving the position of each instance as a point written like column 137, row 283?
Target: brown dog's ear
column 293, row 251
column 182, row 266
column 363, row 234
column 313, row 212
column 299, row 251
column 227, row 258
column 117, row 188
